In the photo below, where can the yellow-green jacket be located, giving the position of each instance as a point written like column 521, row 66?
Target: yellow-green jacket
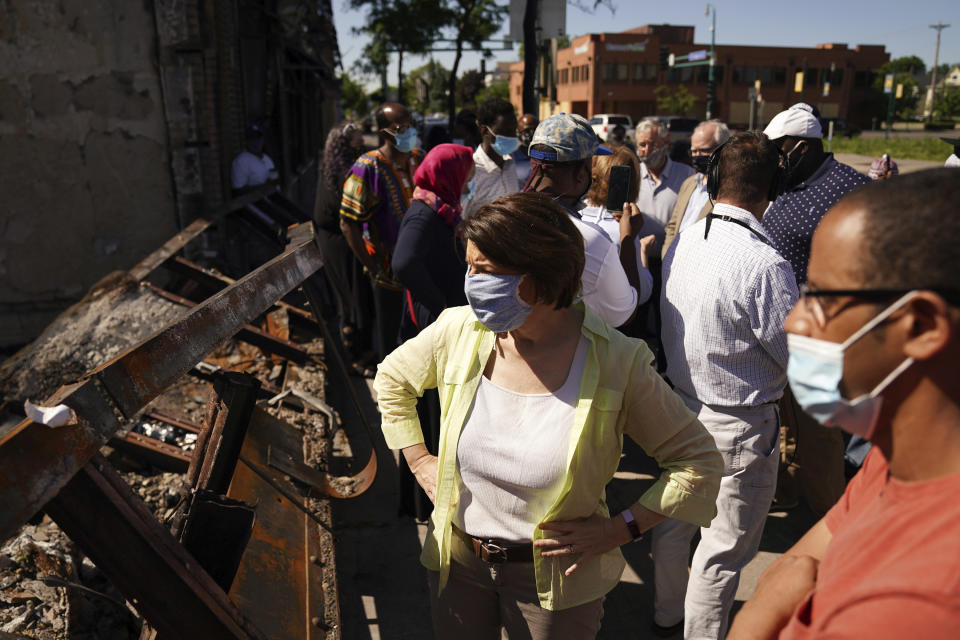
column 620, row 392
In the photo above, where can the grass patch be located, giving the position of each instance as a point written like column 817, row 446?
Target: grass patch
column 931, row 148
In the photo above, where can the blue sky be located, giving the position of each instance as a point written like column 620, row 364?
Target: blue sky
column 745, row 22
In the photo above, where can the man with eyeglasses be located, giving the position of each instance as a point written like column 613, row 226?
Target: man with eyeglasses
column 874, row 344
column 726, row 293
column 692, row 201
column 812, row 457
column 376, row 194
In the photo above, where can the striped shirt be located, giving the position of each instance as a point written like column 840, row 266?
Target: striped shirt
column 723, row 305
column 490, row 181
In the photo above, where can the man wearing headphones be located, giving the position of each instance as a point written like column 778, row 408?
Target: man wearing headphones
column 726, row 294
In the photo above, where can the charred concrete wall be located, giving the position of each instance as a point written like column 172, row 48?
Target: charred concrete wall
column 85, row 173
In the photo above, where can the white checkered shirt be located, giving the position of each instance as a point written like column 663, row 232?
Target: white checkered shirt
column 723, row 305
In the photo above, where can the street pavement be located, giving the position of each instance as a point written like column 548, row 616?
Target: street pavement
column 862, row 163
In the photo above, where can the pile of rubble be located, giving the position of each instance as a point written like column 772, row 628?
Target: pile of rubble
column 49, row 588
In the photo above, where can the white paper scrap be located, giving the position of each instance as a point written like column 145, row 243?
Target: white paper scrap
column 58, row 416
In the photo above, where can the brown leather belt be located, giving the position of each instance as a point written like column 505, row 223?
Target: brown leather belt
column 493, row 552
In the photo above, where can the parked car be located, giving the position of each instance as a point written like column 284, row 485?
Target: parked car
column 603, row 124
column 840, row 128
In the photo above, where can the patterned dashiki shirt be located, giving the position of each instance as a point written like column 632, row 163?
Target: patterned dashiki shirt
column 377, row 194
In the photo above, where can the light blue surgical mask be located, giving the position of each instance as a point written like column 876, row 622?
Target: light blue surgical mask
column 406, row 141
column 505, row 145
column 815, row 369
column 495, row 300
column 471, row 189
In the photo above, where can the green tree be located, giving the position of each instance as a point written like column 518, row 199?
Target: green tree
column 353, row 98
column 472, row 22
column 905, row 106
column 435, row 76
column 906, row 64
column 401, row 27
column 469, row 85
column 499, row 90
column 948, row 104
column 677, row 103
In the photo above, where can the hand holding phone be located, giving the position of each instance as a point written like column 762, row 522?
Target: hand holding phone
column 621, row 178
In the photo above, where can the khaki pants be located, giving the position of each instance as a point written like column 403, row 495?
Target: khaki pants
column 811, row 459
column 703, row 598
column 480, row 599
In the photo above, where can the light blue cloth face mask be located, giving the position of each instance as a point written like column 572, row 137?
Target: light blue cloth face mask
column 406, row 141
column 815, row 369
column 495, row 300
column 505, row 145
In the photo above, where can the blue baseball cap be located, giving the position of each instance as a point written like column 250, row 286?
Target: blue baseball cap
column 571, row 138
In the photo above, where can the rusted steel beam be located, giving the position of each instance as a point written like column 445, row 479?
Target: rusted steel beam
column 37, row 461
column 288, row 600
column 152, row 569
column 214, row 282
column 176, row 421
column 194, row 229
column 162, row 455
column 249, row 333
column 235, row 395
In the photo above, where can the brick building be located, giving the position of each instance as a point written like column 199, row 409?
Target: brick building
column 618, row 73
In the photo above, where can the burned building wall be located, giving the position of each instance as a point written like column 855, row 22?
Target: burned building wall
column 85, row 173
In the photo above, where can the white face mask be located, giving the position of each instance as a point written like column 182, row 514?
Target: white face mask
column 815, row 370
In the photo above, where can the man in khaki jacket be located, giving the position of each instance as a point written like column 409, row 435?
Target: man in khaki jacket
column 692, row 201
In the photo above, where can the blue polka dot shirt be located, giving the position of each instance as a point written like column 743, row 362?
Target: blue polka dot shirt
column 792, row 218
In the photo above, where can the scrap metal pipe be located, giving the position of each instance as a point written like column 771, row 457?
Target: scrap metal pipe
column 36, row 461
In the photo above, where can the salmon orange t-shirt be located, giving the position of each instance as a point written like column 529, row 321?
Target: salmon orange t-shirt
column 892, row 568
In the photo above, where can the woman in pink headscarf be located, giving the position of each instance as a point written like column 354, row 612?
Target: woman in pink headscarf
column 429, row 261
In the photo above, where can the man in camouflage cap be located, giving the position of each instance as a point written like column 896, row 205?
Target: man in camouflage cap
column 561, row 166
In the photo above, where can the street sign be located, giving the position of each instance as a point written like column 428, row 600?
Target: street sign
column 888, row 83
column 798, row 82
column 697, row 55
column 899, row 90
column 551, row 19
column 671, row 59
column 826, row 89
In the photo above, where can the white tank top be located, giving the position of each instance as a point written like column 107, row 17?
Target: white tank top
column 512, row 456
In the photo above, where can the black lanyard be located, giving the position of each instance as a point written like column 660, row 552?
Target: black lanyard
column 711, row 216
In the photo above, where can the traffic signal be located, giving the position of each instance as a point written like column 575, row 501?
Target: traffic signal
column 712, row 92
column 664, row 58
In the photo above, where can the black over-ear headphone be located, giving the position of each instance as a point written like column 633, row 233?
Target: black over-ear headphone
column 777, row 185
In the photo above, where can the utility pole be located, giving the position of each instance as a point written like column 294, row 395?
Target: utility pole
column 711, row 83
column 933, row 76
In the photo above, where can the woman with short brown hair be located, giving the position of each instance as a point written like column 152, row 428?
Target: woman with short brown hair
column 536, row 394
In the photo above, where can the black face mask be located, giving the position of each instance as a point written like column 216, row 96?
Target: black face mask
column 793, row 160
column 701, row 163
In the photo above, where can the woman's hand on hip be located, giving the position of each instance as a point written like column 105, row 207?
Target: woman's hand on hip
column 583, row 538
column 426, row 474
column 423, row 466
